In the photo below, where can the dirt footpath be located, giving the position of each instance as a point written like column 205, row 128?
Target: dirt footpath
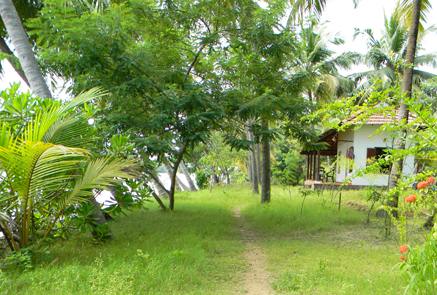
column 257, row 279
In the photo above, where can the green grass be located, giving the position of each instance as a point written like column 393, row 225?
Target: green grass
column 197, row 250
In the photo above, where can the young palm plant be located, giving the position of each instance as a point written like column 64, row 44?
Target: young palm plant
column 45, row 171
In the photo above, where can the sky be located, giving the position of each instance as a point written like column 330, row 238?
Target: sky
column 369, row 14
column 342, row 17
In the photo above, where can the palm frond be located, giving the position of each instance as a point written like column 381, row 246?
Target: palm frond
column 36, row 130
column 69, row 131
column 426, row 59
column 99, row 174
column 422, row 75
column 404, row 11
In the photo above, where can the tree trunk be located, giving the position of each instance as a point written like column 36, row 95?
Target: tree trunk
column 265, row 184
column 23, row 49
column 249, row 166
column 407, row 83
column 253, row 165
column 191, row 185
column 158, row 200
column 99, row 218
column 258, row 162
column 214, row 177
column 173, row 176
column 6, row 50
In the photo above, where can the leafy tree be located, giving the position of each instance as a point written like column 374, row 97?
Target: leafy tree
column 289, row 166
column 156, row 99
column 218, row 158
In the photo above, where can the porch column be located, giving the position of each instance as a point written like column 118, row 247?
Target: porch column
column 314, row 166
column 318, row 165
column 311, row 166
column 308, row 167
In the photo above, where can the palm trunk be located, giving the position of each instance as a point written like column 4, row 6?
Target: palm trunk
column 99, row 218
column 6, row 50
column 191, row 185
column 249, row 166
column 24, row 51
column 265, row 184
column 407, row 83
column 160, row 189
column 158, row 200
column 169, row 171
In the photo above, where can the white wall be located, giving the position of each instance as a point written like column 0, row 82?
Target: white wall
column 344, row 142
column 362, row 139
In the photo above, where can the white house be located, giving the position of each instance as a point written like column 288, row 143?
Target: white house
column 354, row 149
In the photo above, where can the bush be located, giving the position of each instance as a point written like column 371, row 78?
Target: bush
column 201, row 179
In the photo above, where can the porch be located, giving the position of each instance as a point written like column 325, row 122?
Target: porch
column 316, row 174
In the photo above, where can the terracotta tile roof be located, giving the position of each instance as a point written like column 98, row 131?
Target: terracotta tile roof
column 377, row 119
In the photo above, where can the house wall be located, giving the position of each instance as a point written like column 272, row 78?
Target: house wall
column 362, row 139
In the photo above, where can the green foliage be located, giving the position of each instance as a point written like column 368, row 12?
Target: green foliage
column 202, row 179
column 420, row 266
column 289, row 166
column 218, row 158
column 131, row 195
column 43, row 177
column 25, row 259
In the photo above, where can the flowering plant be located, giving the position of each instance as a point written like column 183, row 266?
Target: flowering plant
column 427, row 197
column 419, row 265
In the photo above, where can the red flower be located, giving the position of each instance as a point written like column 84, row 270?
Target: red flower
column 403, row 248
column 422, row 184
column 402, row 257
column 430, row 180
column 411, row 199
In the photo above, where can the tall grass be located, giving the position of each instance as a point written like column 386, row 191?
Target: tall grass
column 282, row 217
column 194, row 250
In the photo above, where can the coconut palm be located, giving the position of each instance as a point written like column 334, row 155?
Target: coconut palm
column 316, row 66
column 21, row 43
column 417, row 13
column 385, row 55
column 41, row 174
column 299, row 7
column 404, row 9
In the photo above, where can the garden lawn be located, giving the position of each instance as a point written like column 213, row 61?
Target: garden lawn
column 198, row 250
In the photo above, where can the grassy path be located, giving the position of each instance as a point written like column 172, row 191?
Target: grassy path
column 257, row 279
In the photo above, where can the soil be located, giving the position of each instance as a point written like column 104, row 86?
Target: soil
column 257, row 280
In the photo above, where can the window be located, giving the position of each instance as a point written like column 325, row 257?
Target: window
column 374, row 154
